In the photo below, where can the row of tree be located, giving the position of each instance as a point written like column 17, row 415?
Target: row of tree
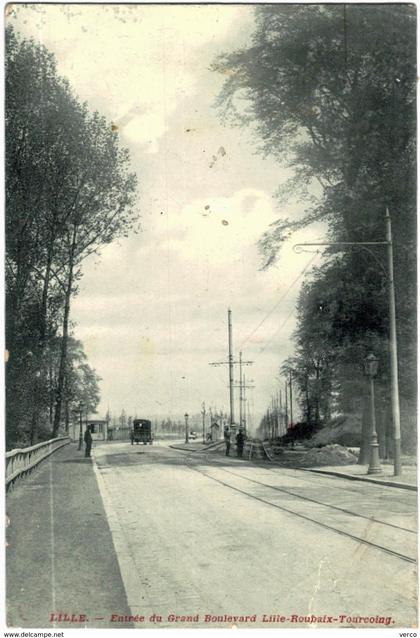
column 330, row 91
column 69, row 191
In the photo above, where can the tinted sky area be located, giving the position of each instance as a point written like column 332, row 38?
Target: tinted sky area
column 152, row 309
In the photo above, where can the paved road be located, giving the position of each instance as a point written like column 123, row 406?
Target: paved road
column 203, row 535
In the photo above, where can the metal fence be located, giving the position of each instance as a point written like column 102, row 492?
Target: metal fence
column 20, row 461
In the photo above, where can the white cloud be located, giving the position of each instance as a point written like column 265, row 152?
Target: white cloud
column 145, row 130
column 120, row 58
column 152, row 310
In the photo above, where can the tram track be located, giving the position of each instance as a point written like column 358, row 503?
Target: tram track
column 313, row 500
column 268, row 500
column 309, row 499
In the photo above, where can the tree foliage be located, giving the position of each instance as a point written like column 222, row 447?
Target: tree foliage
column 69, row 191
column 330, row 92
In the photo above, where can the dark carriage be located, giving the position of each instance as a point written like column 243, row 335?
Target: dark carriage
column 141, row 432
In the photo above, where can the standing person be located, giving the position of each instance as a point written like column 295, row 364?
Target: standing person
column 88, row 442
column 227, row 439
column 240, row 442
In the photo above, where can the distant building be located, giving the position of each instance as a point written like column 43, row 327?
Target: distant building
column 215, row 431
column 98, row 428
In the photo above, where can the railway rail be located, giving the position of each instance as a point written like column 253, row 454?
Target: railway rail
column 317, row 502
column 384, row 531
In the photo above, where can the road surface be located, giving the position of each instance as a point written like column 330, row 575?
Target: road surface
column 204, row 540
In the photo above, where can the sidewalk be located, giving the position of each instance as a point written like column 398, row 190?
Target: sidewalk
column 407, row 480
column 60, row 554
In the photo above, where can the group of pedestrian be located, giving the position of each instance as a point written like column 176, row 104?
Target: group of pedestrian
column 240, row 441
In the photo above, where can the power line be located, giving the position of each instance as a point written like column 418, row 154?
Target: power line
column 270, row 312
column 293, row 309
column 277, row 331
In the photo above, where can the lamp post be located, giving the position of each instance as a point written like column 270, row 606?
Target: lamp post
column 371, row 369
column 81, row 406
column 186, row 415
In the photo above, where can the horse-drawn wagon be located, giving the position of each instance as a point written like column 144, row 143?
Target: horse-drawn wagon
column 141, row 432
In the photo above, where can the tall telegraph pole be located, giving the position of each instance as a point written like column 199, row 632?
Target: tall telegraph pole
column 245, row 403
column 230, row 362
column 291, row 399
column 281, row 425
column 232, row 407
column 241, row 391
column 243, row 386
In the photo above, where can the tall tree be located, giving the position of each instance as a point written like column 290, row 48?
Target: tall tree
column 330, row 91
column 69, row 190
column 81, row 382
column 101, row 199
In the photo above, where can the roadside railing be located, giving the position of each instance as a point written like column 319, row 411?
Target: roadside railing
column 21, row 461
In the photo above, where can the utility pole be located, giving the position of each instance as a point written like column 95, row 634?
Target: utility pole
column 395, row 400
column 291, row 399
column 242, row 405
column 187, row 438
column 203, row 412
column 232, row 414
column 280, row 411
column 286, row 413
column 230, row 362
column 277, row 415
column 241, row 398
column 273, row 418
column 244, row 389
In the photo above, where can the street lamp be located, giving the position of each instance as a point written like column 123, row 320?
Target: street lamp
column 371, row 370
column 186, row 415
column 81, row 406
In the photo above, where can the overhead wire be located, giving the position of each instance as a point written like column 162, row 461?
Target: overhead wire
column 277, row 331
column 270, row 312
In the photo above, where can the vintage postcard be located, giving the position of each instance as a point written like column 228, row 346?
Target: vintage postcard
column 210, row 284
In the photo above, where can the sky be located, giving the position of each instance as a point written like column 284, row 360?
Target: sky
column 152, row 309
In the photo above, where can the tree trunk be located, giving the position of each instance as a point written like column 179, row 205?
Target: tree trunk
column 44, row 301
column 50, row 393
column 64, row 339
column 63, row 356
column 317, row 399
column 39, row 356
column 308, row 402
column 67, row 416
